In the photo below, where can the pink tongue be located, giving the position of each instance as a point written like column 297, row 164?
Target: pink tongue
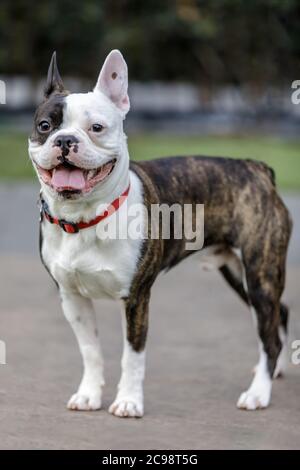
column 65, row 178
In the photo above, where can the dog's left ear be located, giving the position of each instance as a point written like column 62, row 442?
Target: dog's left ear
column 113, row 80
column 54, row 82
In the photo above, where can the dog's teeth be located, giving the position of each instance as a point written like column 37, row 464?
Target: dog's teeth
column 91, row 174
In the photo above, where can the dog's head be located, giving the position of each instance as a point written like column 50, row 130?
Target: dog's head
column 77, row 141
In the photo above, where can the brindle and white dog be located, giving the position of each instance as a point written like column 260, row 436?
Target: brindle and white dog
column 79, row 151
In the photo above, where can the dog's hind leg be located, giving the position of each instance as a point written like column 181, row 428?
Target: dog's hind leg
column 130, row 397
column 236, row 279
column 265, row 275
column 79, row 311
column 282, row 361
column 259, row 393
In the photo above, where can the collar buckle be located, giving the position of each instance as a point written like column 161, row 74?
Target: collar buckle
column 45, row 211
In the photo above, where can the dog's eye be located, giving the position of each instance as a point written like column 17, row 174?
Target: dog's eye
column 44, row 126
column 96, row 127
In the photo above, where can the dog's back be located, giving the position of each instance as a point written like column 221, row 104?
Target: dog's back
column 239, row 196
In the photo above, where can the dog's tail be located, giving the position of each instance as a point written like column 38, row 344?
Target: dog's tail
column 270, row 172
column 266, row 169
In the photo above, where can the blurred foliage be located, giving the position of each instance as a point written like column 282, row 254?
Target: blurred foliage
column 282, row 155
column 212, row 41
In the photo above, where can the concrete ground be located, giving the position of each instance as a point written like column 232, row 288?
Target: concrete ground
column 201, row 349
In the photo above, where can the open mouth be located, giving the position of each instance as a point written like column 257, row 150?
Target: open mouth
column 67, row 177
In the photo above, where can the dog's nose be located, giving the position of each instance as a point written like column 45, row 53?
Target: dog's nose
column 65, row 141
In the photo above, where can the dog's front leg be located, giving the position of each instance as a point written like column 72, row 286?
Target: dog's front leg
column 130, row 397
column 80, row 313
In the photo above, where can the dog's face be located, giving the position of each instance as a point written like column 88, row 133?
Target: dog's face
column 77, row 139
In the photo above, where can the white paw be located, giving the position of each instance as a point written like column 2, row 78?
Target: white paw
column 254, row 399
column 85, row 401
column 127, row 408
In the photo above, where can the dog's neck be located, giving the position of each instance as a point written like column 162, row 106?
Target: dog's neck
column 88, row 207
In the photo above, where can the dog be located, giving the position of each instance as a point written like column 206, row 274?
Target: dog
column 79, row 152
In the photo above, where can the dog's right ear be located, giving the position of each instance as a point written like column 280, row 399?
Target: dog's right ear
column 54, row 82
column 113, row 80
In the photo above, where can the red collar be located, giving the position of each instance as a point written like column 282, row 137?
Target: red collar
column 71, row 227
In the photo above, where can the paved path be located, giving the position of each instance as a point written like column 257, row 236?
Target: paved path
column 201, row 350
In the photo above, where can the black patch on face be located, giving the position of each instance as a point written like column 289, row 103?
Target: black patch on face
column 50, row 110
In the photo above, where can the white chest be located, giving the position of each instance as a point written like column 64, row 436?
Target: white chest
column 90, row 265
column 93, row 267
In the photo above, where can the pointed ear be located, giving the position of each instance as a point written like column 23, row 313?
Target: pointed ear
column 113, row 80
column 54, row 82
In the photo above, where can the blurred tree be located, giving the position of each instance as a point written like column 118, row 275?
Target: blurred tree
column 214, row 41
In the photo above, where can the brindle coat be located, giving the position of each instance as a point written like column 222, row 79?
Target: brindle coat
column 242, row 210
